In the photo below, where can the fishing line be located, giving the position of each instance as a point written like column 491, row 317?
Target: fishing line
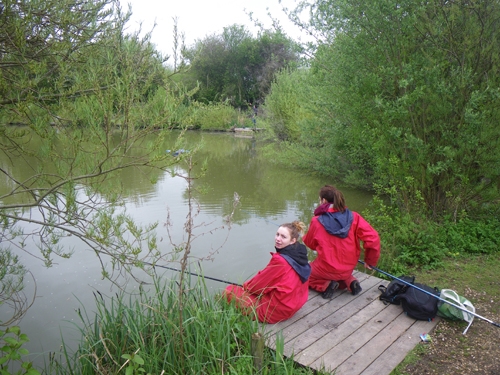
column 197, row 275
column 433, row 295
column 192, row 273
column 270, row 222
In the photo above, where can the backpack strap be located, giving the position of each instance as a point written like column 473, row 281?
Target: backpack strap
column 383, row 290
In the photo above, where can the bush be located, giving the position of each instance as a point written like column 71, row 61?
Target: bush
column 218, row 116
column 285, row 105
column 414, row 241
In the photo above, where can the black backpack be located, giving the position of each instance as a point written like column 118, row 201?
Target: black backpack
column 395, row 287
column 416, row 303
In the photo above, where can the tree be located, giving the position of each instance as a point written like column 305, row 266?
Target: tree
column 208, row 68
column 237, row 67
column 92, row 101
column 284, row 105
column 414, row 91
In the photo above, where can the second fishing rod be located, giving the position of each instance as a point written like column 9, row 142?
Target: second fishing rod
column 432, row 295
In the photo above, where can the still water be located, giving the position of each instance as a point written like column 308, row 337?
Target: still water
column 269, row 195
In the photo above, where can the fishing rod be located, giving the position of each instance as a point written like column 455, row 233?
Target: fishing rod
column 195, row 274
column 192, row 273
column 270, row 222
column 433, row 295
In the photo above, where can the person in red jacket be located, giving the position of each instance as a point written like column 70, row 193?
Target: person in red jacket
column 278, row 291
column 335, row 233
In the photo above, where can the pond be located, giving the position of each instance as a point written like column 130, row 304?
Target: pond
column 269, row 195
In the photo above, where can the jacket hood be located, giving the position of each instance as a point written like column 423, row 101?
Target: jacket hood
column 337, row 223
column 296, row 256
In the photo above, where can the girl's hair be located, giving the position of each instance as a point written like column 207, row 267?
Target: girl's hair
column 296, row 228
column 333, row 196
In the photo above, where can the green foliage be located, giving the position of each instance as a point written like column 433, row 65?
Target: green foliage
column 217, row 116
column 12, row 351
column 128, row 82
column 299, row 108
column 12, row 274
column 80, row 101
column 40, row 38
column 288, row 108
column 216, row 337
column 409, row 241
column 236, row 67
column 133, row 364
column 411, row 98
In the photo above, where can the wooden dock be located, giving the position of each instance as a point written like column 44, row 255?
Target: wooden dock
column 349, row 335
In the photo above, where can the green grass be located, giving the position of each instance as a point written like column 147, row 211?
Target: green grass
column 479, row 273
column 156, row 332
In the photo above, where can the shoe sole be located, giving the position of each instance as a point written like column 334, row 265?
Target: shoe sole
column 356, row 289
column 332, row 287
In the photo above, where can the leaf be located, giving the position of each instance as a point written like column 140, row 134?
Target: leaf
column 23, row 337
column 138, row 359
column 11, row 341
column 26, row 365
column 14, row 329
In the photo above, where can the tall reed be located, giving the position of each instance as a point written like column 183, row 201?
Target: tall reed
column 132, row 334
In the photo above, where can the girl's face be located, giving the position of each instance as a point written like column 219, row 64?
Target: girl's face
column 283, row 238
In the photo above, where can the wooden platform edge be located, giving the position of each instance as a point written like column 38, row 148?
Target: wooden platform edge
column 359, row 352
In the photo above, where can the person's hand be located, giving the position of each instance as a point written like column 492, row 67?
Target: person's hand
column 367, row 266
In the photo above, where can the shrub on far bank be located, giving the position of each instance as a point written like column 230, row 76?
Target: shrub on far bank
column 215, row 116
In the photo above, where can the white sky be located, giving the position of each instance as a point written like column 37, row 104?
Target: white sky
column 199, row 18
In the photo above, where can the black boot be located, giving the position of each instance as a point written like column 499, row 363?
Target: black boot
column 355, row 287
column 332, row 287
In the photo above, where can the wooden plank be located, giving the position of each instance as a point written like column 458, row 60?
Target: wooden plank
column 375, row 347
column 353, row 335
column 315, row 321
column 312, row 320
column 357, row 339
column 315, row 301
column 397, row 352
column 317, row 339
column 311, row 327
column 336, row 336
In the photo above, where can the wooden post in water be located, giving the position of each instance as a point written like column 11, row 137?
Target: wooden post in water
column 257, row 351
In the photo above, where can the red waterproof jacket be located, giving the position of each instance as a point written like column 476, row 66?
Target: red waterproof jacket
column 281, row 291
column 337, row 257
